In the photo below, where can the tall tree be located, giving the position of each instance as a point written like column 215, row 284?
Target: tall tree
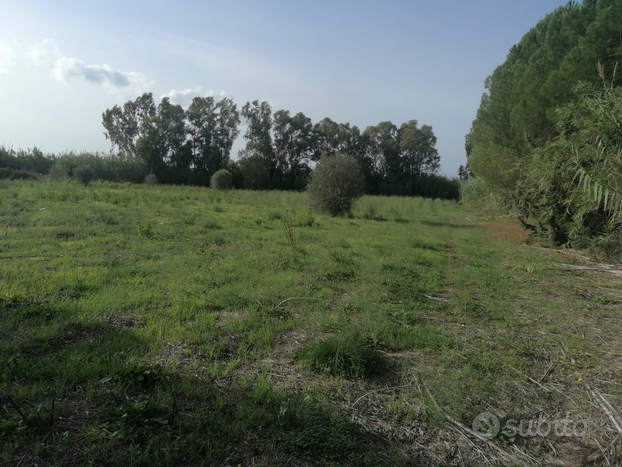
column 418, row 150
column 517, row 114
column 384, row 149
column 258, row 136
column 293, row 143
column 123, row 126
column 213, row 127
column 327, row 138
column 164, row 144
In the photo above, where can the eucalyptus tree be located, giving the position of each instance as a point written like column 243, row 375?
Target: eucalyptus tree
column 124, row 125
column 418, row 151
column 258, row 136
column 327, row 138
column 383, row 149
column 293, row 144
column 163, row 144
column 212, row 128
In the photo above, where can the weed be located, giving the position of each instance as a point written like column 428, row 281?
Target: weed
column 346, row 354
column 211, row 224
column 305, row 220
column 145, row 229
column 274, row 215
column 340, row 257
column 287, row 221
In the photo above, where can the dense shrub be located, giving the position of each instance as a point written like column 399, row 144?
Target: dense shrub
column 84, row 174
column 222, row 180
column 336, row 184
column 30, row 160
column 237, row 176
column 58, row 173
column 348, row 355
column 254, row 173
column 476, row 193
column 10, row 174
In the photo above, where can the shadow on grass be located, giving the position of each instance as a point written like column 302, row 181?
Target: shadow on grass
column 88, row 394
column 448, row 224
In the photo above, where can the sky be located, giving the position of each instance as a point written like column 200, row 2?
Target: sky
column 63, row 63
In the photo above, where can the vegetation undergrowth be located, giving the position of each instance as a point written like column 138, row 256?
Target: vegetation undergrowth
column 159, row 325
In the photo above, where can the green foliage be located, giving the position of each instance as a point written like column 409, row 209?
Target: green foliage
column 476, row 193
column 287, row 220
column 84, row 174
column 11, row 174
column 108, row 168
column 518, row 111
column 30, row 160
column 572, row 186
column 254, row 173
column 222, row 180
column 336, row 184
column 348, row 354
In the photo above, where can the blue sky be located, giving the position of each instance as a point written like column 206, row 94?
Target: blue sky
column 62, row 63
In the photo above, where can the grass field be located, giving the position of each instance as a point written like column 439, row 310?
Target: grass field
column 182, row 326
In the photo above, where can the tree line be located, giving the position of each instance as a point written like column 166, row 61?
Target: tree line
column 189, row 146
column 547, row 135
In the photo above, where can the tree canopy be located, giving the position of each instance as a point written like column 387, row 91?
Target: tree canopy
column 517, row 113
column 281, row 150
column 550, row 118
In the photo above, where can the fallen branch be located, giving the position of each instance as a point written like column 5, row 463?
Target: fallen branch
column 467, row 430
column 296, row 298
column 609, row 410
column 529, row 378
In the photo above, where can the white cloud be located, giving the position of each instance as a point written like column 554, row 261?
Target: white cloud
column 184, row 98
column 43, row 54
column 64, row 69
column 8, row 57
column 114, row 80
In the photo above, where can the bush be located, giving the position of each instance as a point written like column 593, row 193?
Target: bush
column 151, row 179
column 476, row 193
column 10, row 174
column 84, row 174
column 58, row 173
column 222, row 180
column 336, row 184
column 343, row 354
column 254, row 173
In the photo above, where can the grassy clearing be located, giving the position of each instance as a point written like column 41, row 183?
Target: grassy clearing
column 182, row 326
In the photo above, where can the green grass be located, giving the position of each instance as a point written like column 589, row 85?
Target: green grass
column 157, row 325
column 348, row 354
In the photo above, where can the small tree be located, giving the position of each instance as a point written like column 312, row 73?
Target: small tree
column 222, row 180
column 84, row 174
column 336, row 184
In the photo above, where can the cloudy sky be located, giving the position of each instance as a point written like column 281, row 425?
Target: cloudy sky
column 62, row 63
